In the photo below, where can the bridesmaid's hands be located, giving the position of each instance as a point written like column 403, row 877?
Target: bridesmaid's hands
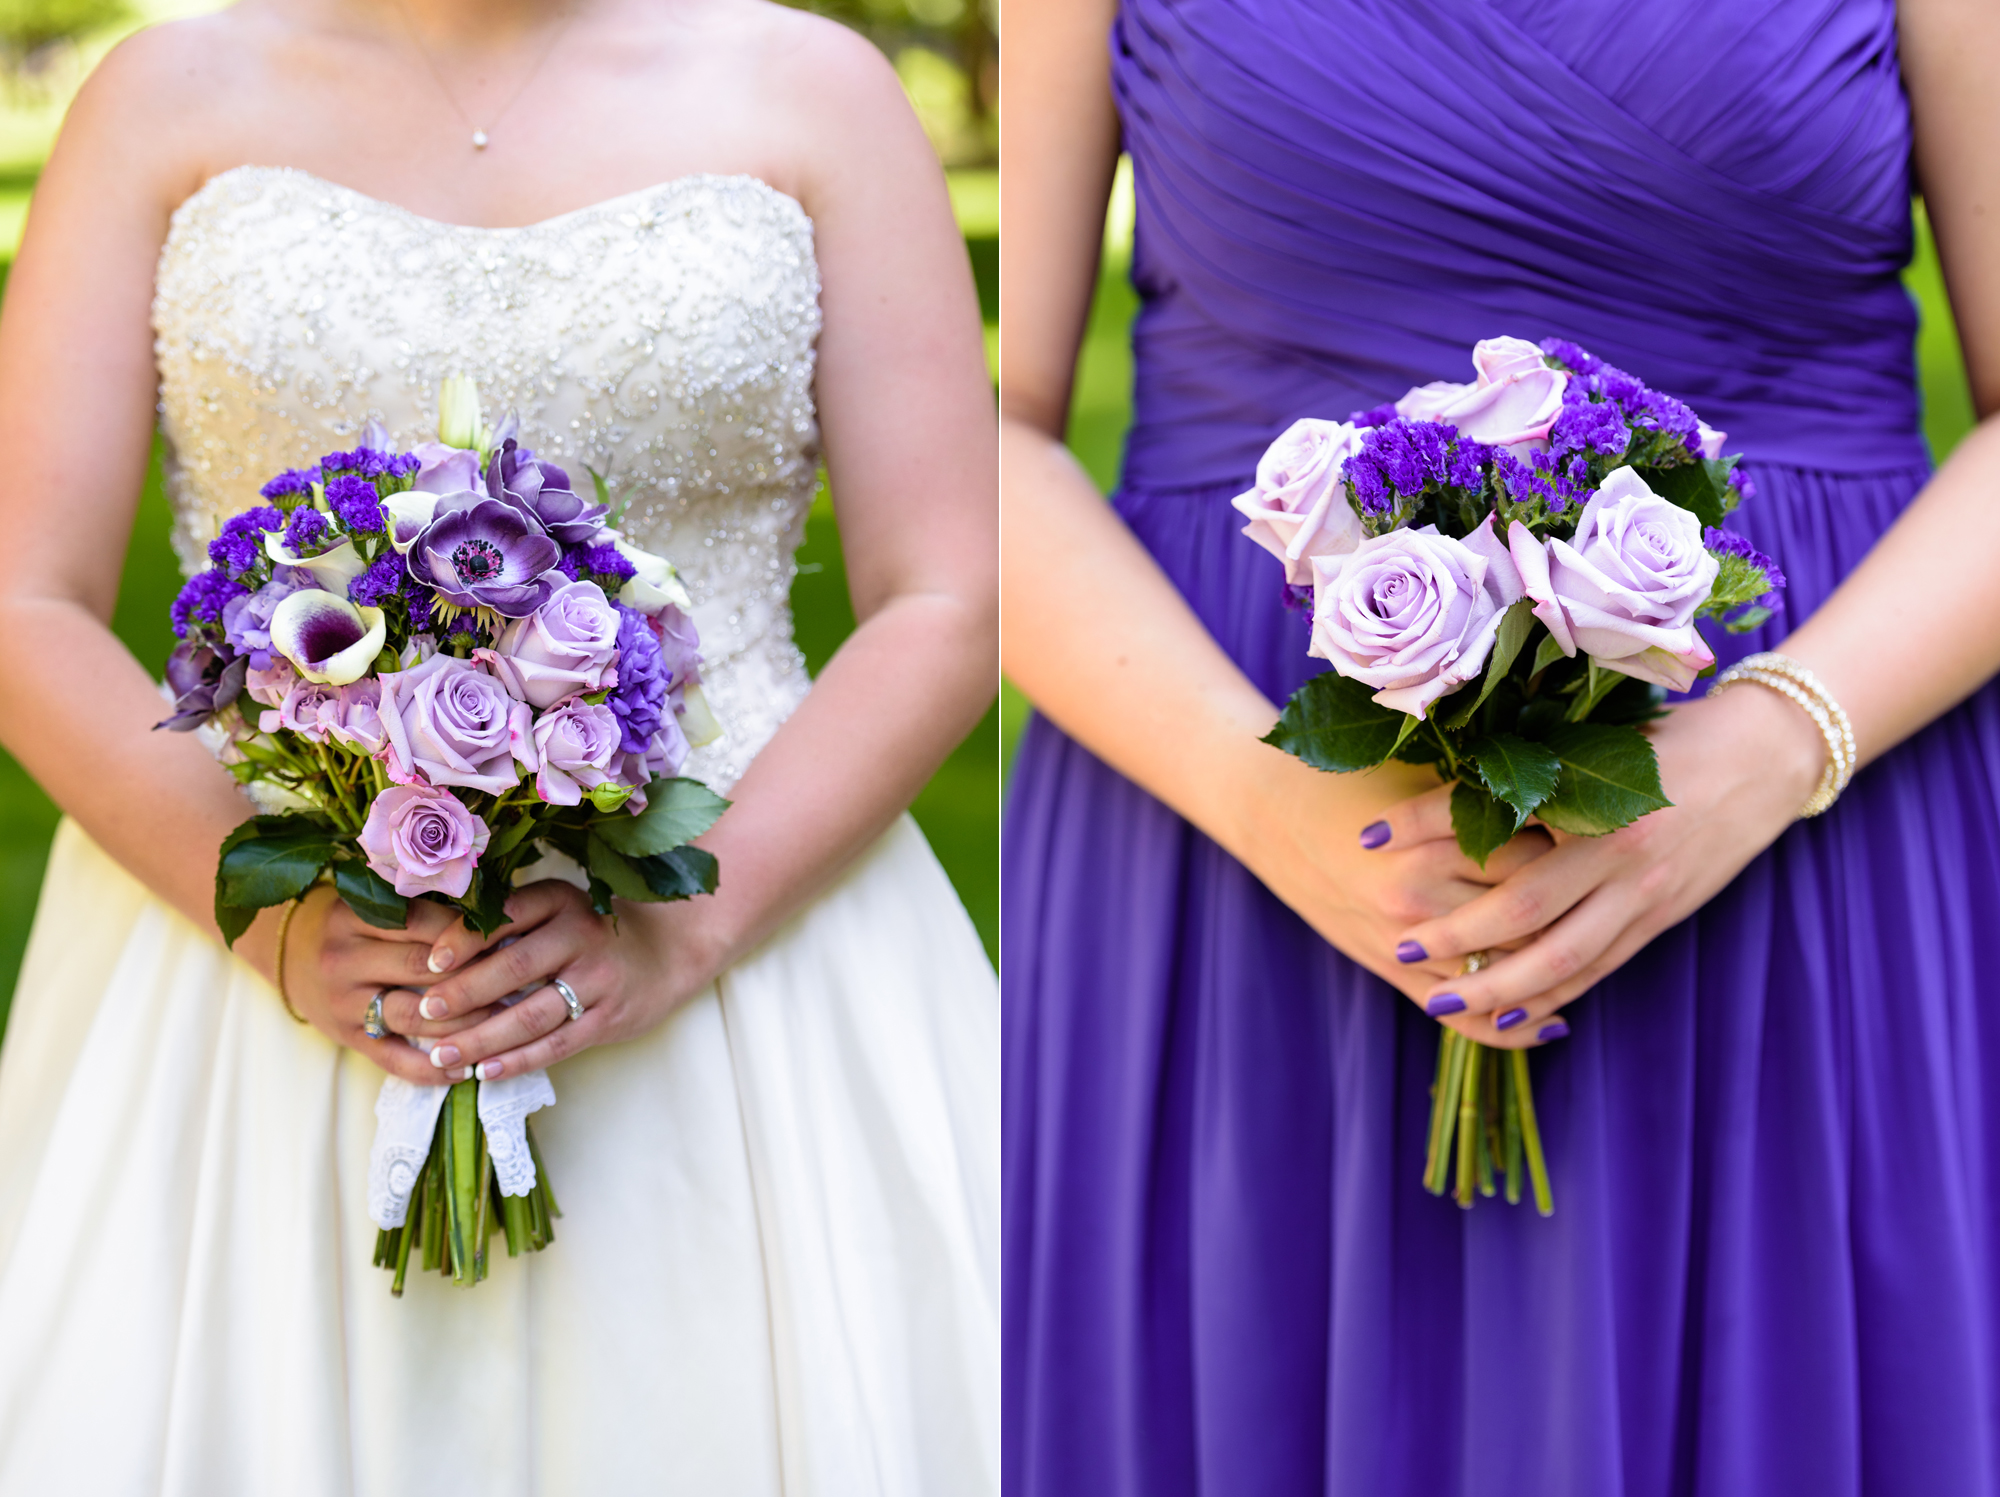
column 1737, row 767
column 628, row 977
column 335, row 963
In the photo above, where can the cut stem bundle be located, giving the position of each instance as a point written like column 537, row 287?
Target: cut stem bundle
column 456, row 1205
column 1482, row 1101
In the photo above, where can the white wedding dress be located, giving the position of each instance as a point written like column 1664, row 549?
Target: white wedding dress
column 777, row 1268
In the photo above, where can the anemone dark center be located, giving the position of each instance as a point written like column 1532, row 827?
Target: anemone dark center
column 476, row 560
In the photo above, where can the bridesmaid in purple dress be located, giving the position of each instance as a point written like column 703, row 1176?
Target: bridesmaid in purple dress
column 1774, row 1125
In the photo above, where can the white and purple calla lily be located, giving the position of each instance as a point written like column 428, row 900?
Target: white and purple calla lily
column 327, row 638
column 654, row 584
column 332, row 569
column 486, row 554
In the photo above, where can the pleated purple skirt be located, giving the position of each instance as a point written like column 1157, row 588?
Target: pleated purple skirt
column 1772, row 1268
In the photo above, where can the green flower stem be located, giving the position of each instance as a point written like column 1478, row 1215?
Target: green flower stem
column 1444, row 1115
column 1510, row 1122
column 1468, row 1125
column 1531, row 1135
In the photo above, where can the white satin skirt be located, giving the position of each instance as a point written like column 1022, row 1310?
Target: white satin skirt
column 776, row 1271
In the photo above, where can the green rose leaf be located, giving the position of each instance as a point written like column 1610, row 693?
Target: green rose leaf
column 233, row 920
column 616, row 871
column 1692, row 486
column 1520, row 774
column 1546, row 655
column 679, row 874
column 1610, row 778
column 485, row 904
column 370, row 896
column 677, row 811
column 1332, row 723
column 270, row 859
column 1483, row 824
column 1515, row 626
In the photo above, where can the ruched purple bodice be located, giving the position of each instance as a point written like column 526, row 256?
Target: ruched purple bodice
column 1774, row 1267
column 1336, row 200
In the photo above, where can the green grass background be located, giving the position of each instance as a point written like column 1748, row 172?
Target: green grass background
column 958, row 809
column 1101, row 408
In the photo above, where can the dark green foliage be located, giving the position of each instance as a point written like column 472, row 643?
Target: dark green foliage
column 370, row 896
column 1332, row 723
column 1610, row 778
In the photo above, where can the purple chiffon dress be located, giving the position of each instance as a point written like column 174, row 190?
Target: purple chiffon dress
column 1775, row 1134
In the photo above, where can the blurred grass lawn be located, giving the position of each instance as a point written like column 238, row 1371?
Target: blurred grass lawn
column 1101, row 408
column 958, row 809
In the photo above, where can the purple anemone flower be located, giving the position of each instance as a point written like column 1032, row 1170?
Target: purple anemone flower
column 517, row 477
column 201, row 682
column 487, row 555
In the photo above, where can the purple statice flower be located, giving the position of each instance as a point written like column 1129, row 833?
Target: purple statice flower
column 240, row 547
column 308, row 533
column 384, row 579
column 1589, row 426
column 1663, row 413
column 1728, row 543
column 1561, row 484
column 1626, row 391
column 354, row 501
column 202, row 600
column 1299, row 599
column 1375, row 415
column 640, row 697
column 362, row 462
column 486, row 554
column 1746, row 486
column 294, row 484
column 404, row 465
column 571, row 565
column 1399, row 459
column 607, row 561
column 1565, row 352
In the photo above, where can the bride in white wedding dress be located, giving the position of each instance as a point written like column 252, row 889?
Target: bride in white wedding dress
column 702, row 245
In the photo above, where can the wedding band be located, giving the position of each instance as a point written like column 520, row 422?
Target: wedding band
column 573, row 1003
column 372, row 1023
column 1475, row 962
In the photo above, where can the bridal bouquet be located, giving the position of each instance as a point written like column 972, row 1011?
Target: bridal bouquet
column 428, row 669
column 1506, row 577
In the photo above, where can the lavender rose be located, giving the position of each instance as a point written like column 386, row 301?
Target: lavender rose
column 423, row 841
column 577, row 744
column 1625, row 588
column 306, row 710
column 566, row 647
column 270, row 684
column 480, row 553
column 1413, row 613
column 1515, row 400
column 355, row 717
column 450, row 723
column 1299, row 508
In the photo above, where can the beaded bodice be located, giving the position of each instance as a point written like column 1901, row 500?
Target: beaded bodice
column 664, row 338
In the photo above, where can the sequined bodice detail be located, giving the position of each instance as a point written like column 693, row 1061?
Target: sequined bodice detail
column 664, row 339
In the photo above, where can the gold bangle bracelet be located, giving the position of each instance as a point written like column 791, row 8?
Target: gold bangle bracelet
column 285, row 929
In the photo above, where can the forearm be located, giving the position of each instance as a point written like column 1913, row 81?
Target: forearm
column 78, row 712
column 894, row 700
column 1894, row 673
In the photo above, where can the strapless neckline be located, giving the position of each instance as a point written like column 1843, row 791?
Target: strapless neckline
column 603, row 205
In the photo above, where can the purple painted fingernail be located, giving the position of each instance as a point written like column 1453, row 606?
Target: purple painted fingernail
column 1375, row 834
column 1410, row 951
column 444, row 1056
column 1552, row 1031
column 1445, row 1003
column 1512, row 1017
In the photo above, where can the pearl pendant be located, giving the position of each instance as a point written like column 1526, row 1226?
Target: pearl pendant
column 478, row 140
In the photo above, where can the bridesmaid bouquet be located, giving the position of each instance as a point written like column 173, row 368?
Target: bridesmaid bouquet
column 1506, row 577
column 427, row 669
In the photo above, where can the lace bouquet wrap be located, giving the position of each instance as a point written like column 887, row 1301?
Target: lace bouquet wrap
column 429, row 669
column 1506, row 577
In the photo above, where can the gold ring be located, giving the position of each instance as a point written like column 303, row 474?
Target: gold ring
column 1475, row 962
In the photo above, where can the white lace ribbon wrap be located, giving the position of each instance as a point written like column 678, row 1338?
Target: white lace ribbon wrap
column 406, row 1121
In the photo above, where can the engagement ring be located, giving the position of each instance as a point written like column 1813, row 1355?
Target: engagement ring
column 372, row 1023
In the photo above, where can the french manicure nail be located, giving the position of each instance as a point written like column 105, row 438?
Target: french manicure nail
column 1552, row 1031
column 1509, row 1019
column 488, row 1069
column 1410, row 951
column 444, row 1055
column 433, row 1008
column 1375, row 834
column 464, row 1075
column 1445, row 1003
column 439, row 961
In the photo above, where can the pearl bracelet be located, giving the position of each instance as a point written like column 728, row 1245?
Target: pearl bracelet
column 1784, row 675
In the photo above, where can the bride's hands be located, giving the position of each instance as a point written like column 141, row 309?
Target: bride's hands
column 628, row 977
column 335, row 964
column 1737, row 766
column 1362, row 858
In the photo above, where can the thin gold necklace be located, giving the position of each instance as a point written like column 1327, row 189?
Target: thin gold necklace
column 479, row 135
